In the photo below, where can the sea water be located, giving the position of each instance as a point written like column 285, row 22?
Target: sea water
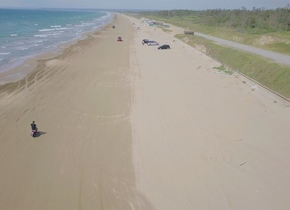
column 25, row 33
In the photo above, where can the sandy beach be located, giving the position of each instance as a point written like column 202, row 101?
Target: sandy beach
column 126, row 126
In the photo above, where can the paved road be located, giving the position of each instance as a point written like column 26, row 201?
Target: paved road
column 280, row 58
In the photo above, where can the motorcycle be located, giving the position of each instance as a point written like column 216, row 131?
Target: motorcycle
column 33, row 133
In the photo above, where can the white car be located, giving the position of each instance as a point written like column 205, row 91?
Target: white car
column 152, row 43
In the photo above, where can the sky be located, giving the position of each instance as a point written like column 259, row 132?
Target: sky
column 147, row 4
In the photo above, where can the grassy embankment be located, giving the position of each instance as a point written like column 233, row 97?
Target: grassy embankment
column 266, row 72
column 272, row 75
column 277, row 41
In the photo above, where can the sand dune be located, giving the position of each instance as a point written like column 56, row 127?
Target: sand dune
column 127, row 126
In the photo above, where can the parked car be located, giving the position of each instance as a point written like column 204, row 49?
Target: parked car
column 145, row 41
column 152, row 43
column 165, row 46
column 119, row 39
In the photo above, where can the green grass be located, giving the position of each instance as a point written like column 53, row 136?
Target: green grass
column 268, row 73
column 279, row 47
column 223, row 69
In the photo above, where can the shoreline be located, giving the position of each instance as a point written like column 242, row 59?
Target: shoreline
column 29, row 65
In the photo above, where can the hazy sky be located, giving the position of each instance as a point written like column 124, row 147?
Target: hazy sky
column 147, row 4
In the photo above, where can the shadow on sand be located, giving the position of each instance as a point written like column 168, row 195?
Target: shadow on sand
column 39, row 133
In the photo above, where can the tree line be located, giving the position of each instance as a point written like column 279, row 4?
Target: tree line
column 255, row 20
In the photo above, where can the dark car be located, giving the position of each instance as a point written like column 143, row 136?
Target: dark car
column 165, row 46
column 145, row 41
column 119, row 39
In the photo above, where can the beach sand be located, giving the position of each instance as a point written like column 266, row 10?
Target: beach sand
column 127, row 126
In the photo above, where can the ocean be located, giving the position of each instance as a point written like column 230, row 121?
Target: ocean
column 25, row 33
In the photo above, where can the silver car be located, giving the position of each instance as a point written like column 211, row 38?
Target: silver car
column 152, row 43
